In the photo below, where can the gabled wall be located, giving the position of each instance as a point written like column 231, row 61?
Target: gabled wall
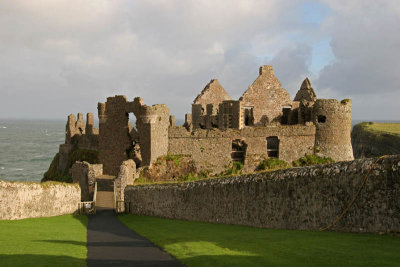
column 267, row 97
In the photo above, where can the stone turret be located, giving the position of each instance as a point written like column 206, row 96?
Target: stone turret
column 333, row 128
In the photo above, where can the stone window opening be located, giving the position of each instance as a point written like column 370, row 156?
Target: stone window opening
column 273, row 147
column 321, row 119
column 238, row 150
column 133, row 152
column 248, row 116
column 285, row 114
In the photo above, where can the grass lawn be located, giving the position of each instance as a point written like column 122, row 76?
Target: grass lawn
column 392, row 128
column 206, row 244
column 53, row 241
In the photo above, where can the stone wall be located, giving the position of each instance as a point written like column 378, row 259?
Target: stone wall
column 116, row 138
column 125, row 177
column 85, row 175
column 20, row 200
column 211, row 149
column 299, row 198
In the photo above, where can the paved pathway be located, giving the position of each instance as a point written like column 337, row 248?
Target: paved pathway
column 111, row 243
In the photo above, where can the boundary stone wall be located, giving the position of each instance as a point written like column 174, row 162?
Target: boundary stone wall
column 306, row 198
column 19, row 200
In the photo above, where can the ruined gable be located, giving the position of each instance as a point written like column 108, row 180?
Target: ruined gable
column 266, row 96
column 306, row 92
column 213, row 93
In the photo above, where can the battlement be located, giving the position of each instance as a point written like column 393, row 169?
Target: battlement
column 78, row 127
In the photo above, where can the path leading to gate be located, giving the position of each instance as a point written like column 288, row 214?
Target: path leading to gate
column 111, row 243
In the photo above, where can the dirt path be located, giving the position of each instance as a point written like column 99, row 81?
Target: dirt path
column 110, row 242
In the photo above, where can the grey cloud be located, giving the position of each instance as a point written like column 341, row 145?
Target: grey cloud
column 61, row 57
column 365, row 41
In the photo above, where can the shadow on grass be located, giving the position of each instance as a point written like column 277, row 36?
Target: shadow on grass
column 39, row 260
column 33, row 241
column 138, row 243
column 199, row 244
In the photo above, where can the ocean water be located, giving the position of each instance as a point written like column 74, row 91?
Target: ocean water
column 28, row 146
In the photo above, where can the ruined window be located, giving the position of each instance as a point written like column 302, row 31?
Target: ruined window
column 273, row 147
column 321, row 119
column 248, row 116
column 238, row 150
column 285, row 114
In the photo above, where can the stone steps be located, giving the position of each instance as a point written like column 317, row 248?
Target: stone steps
column 105, row 200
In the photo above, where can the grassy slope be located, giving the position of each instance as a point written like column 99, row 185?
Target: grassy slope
column 54, row 241
column 375, row 139
column 205, row 244
column 391, row 128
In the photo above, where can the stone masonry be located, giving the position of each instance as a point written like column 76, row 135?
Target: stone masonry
column 264, row 123
column 306, row 198
column 19, row 200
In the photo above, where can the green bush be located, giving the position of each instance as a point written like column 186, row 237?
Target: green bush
column 236, row 169
column 308, row 160
column 272, row 163
column 175, row 158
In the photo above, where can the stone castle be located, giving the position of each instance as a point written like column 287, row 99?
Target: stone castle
column 264, row 123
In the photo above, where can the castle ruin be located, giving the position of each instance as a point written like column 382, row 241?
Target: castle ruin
column 264, row 123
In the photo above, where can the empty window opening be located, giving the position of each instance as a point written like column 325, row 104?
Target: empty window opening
column 321, row 118
column 248, row 116
column 238, row 150
column 273, row 147
column 285, row 114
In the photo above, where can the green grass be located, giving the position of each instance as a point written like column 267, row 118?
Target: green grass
column 205, row 244
column 272, row 163
column 392, row 128
column 53, row 241
column 308, row 160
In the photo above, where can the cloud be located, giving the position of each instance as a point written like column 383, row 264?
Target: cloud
column 365, row 42
column 62, row 56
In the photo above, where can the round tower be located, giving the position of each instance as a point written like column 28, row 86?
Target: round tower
column 333, row 128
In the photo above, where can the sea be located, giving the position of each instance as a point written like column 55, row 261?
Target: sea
column 27, row 147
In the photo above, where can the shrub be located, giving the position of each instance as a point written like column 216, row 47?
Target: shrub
column 236, row 168
column 308, row 160
column 272, row 163
column 175, row 158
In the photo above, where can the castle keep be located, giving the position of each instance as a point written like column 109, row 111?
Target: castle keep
column 263, row 123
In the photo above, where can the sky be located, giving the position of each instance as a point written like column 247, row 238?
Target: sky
column 64, row 56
